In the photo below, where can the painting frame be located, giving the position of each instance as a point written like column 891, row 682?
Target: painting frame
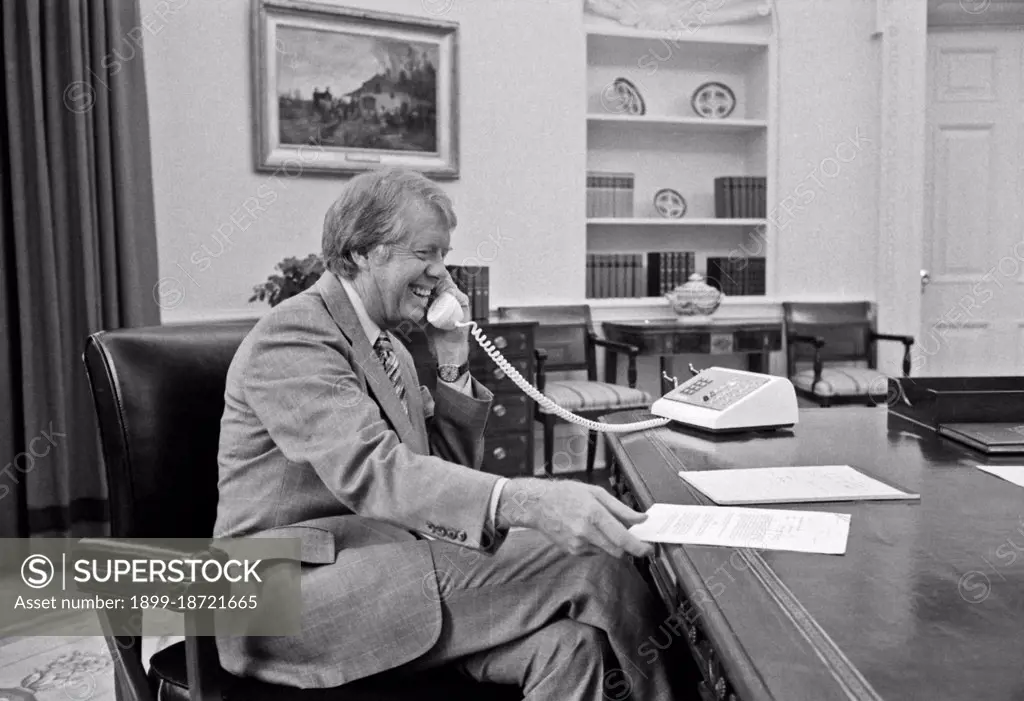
column 271, row 155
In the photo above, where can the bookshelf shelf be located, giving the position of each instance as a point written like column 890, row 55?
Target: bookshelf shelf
column 728, row 126
column 722, row 169
column 628, row 221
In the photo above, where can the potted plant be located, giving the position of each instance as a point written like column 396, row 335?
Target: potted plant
column 294, row 275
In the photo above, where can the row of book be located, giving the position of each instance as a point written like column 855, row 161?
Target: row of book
column 736, row 197
column 737, row 276
column 657, row 273
column 637, row 274
column 475, row 283
column 741, row 197
column 609, row 194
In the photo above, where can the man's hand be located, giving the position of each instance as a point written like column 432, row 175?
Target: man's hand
column 450, row 347
column 579, row 518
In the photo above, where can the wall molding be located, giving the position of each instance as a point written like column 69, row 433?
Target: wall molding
column 205, row 316
column 903, row 100
column 975, row 13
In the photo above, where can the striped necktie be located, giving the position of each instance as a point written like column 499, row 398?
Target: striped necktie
column 386, row 353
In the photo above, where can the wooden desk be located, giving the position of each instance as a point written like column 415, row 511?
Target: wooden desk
column 665, row 338
column 927, row 602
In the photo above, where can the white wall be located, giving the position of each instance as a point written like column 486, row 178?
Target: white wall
column 522, row 154
column 828, row 113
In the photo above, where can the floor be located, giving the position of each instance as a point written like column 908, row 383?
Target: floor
column 61, row 667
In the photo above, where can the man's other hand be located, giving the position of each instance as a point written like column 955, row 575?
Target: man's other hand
column 579, row 518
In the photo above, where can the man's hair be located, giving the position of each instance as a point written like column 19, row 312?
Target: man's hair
column 368, row 213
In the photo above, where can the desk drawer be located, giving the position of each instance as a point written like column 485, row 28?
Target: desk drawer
column 493, row 378
column 691, row 343
column 509, row 412
column 753, row 341
column 507, row 455
column 512, row 341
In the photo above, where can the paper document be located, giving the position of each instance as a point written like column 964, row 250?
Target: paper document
column 778, row 485
column 765, row 529
column 1010, row 473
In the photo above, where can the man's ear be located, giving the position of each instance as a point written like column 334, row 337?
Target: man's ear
column 378, row 255
column 361, row 260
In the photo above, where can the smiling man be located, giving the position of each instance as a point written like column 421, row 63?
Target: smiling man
column 413, row 557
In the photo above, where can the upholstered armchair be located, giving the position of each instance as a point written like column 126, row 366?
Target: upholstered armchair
column 831, row 352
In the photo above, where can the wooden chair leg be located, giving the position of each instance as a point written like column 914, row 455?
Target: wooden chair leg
column 549, row 444
column 591, row 451
column 122, row 630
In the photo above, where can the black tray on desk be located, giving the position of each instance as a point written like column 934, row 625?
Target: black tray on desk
column 933, row 401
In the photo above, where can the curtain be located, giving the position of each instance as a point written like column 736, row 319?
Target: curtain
column 77, row 245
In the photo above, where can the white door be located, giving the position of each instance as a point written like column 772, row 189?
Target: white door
column 972, row 309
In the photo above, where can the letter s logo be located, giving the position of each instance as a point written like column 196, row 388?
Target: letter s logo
column 37, row 571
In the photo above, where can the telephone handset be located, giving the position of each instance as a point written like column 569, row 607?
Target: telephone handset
column 444, row 312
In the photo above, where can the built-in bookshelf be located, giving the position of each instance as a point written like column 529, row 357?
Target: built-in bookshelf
column 722, row 167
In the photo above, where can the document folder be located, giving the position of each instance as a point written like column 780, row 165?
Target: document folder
column 992, row 438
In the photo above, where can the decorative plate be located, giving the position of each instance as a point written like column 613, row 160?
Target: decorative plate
column 669, row 203
column 626, row 98
column 713, row 101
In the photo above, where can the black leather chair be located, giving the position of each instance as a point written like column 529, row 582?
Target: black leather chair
column 159, row 395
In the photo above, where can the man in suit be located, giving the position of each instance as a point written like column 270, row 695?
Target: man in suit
column 411, row 556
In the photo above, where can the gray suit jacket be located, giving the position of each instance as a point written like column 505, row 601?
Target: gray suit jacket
column 315, row 444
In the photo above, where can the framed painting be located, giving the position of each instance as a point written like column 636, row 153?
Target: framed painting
column 343, row 90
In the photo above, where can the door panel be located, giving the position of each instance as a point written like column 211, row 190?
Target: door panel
column 973, row 308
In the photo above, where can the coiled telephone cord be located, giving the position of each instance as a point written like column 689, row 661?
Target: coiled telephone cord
column 546, row 402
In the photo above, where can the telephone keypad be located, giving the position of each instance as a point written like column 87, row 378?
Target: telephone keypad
column 716, row 390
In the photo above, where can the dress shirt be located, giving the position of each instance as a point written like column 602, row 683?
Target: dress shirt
column 463, row 385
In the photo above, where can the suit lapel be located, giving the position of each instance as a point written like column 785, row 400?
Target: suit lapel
column 363, row 355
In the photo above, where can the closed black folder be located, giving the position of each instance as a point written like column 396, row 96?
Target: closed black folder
column 1001, row 438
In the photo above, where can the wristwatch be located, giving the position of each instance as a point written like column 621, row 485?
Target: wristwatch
column 450, row 373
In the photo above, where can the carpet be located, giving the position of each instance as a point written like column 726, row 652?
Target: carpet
column 55, row 668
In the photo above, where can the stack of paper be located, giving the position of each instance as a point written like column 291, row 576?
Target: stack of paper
column 779, row 485
column 766, row 529
column 1010, row 473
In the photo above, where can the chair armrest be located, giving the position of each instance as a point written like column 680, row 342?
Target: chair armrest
column 816, row 341
column 113, row 548
column 907, row 342
column 541, row 356
column 619, row 347
column 616, row 346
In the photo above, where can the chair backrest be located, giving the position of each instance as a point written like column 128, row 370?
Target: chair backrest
column 159, row 396
column 563, row 332
column 845, row 326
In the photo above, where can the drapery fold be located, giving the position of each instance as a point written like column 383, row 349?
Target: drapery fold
column 77, row 245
